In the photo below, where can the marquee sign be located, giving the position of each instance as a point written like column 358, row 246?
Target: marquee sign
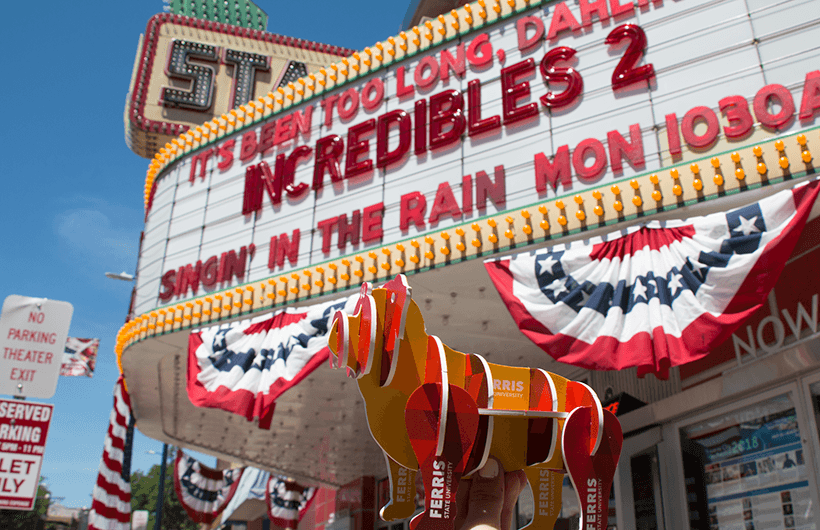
column 190, row 70
column 492, row 127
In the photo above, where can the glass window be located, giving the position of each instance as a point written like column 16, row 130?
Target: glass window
column 745, row 469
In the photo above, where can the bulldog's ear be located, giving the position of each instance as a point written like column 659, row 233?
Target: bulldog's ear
column 338, row 339
column 333, row 336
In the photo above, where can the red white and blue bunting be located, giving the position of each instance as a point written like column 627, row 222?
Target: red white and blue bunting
column 244, row 367
column 202, row 491
column 287, row 501
column 111, row 500
column 657, row 295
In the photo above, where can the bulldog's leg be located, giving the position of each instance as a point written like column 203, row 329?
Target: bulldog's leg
column 442, row 453
column 402, row 491
column 546, row 486
column 592, row 473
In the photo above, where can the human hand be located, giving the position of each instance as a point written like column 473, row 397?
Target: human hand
column 487, row 502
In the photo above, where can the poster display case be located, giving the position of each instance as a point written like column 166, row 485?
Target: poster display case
column 746, row 468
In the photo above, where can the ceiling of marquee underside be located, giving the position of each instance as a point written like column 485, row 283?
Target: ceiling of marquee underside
column 319, row 430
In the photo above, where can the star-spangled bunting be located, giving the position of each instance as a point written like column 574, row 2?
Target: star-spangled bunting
column 111, row 499
column 202, row 491
column 244, row 367
column 653, row 296
column 287, row 501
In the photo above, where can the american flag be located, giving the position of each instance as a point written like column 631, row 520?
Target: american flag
column 111, row 504
column 653, row 296
column 79, row 357
column 244, row 367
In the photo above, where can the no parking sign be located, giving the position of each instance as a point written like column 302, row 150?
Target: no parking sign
column 33, row 332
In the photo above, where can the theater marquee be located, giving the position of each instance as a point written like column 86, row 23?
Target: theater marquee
column 484, row 130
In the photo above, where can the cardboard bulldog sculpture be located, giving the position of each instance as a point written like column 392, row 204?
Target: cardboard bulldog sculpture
column 443, row 413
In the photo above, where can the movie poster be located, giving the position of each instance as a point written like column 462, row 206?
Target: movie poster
column 754, row 469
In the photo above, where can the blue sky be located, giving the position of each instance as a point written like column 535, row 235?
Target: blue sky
column 72, row 197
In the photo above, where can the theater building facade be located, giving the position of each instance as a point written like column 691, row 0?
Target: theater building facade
column 287, row 173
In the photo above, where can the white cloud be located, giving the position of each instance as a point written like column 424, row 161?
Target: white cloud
column 92, row 238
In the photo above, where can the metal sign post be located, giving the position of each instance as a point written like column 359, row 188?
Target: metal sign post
column 33, row 333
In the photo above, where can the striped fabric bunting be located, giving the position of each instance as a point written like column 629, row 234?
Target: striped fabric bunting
column 111, row 500
column 657, row 295
column 202, row 491
column 287, row 501
column 244, row 367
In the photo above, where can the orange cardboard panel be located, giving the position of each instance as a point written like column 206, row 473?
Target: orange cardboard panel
column 410, row 382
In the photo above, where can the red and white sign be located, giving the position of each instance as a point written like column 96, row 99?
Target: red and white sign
column 543, row 105
column 23, row 433
column 33, row 333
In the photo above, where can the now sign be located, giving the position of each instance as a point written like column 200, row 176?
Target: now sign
column 33, row 332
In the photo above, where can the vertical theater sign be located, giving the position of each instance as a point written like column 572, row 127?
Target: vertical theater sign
column 189, row 70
